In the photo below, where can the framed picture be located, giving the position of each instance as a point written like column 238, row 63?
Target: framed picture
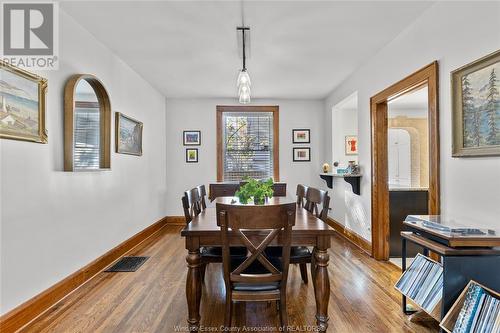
column 192, row 138
column 302, row 154
column 475, row 92
column 22, row 105
column 192, row 155
column 301, row 136
column 128, row 135
column 351, row 145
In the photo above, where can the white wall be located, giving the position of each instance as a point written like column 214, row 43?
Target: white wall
column 55, row 222
column 454, row 34
column 200, row 114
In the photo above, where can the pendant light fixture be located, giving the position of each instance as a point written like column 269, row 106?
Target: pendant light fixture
column 243, row 83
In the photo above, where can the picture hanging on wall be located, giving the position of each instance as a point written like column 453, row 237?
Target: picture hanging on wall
column 301, row 136
column 351, row 145
column 22, row 104
column 192, row 138
column 302, row 154
column 192, row 155
column 128, row 134
column 475, row 92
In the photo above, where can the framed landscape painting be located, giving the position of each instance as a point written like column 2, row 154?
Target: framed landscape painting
column 128, row 135
column 192, row 138
column 192, row 155
column 302, row 154
column 22, row 105
column 301, row 136
column 475, row 90
column 351, row 145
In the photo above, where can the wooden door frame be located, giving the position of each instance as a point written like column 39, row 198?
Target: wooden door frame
column 379, row 151
column 249, row 108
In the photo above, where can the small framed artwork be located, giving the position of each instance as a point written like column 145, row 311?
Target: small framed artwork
column 192, row 155
column 128, row 135
column 302, row 154
column 192, row 138
column 475, row 95
column 301, row 136
column 351, row 145
column 22, row 105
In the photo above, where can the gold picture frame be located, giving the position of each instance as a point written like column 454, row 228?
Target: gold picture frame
column 17, row 105
column 471, row 136
column 134, row 147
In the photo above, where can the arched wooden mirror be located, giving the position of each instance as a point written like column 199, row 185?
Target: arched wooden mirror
column 87, row 124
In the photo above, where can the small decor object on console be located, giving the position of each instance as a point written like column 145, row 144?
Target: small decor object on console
column 326, row 168
column 301, row 136
column 22, row 104
column 475, row 90
column 258, row 190
column 128, row 135
column 301, row 154
column 192, row 138
column 351, row 145
column 192, row 155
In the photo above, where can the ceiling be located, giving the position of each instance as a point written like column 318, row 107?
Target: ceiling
column 299, row 49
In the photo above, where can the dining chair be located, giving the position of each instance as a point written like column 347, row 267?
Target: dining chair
column 193, row 203
column 257, row 277
column 301, row 194
column 302, row 255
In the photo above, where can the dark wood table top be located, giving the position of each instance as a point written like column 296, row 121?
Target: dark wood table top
column 305, row 222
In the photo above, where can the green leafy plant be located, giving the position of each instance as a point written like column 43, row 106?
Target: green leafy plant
column 259, row 190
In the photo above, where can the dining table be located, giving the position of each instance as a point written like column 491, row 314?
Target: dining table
column 308, row 230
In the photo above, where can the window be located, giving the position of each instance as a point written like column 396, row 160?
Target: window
column 247, row 139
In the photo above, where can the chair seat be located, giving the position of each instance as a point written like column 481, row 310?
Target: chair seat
column 216, row 251
column 295, row 252
column 256, row 287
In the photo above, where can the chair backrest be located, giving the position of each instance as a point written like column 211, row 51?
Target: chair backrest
column 268, row 222
column 314, row 198
column 203, row 193
column 301, row 194
column 191, row 203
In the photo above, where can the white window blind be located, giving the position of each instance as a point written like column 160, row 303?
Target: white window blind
column 86, row 148
column 247, row 145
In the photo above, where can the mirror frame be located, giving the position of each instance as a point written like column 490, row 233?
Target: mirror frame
column 105, row 121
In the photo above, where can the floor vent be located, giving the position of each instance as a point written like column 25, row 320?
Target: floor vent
column 127, row 264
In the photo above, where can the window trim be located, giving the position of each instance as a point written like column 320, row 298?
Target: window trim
column 252, row 108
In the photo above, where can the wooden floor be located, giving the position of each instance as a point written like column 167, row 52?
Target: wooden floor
column 152, row 299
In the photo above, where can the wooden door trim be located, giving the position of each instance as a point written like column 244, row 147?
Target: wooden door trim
column 249, row 108
column 378, row 114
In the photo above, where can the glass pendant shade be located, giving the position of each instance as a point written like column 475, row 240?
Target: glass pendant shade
column 243, row 78
column 244, row 89
column 245, row 98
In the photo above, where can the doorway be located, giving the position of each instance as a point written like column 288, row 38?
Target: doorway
column 405, row 157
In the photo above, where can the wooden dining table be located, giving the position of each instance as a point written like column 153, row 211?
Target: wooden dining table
column 308, row 231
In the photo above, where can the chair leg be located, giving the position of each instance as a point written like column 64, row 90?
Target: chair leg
column 227, row 314
column 203, row 268
column 303, row 272
column 283, row 313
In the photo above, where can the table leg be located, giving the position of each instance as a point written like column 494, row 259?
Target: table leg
column 193, row 288
column 322, row 284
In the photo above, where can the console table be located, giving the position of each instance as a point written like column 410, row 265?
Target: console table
column 463, row 257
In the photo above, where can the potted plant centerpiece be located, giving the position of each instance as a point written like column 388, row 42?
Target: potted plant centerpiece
column 258, row 190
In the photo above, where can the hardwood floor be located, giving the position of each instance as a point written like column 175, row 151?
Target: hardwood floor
column 153, row 298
